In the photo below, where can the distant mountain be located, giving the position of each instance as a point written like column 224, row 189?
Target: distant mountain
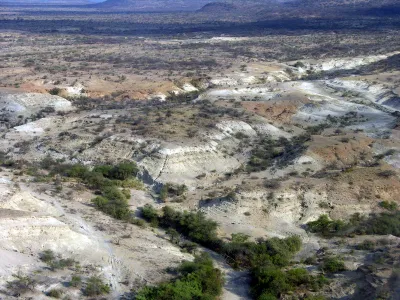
column 218, row 7
column 153, row 5
column 50, row 2
column 346, row 7
column 187, row 5
column 272, row 6
column 346, row 3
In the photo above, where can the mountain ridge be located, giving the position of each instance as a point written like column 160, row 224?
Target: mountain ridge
column 274, row 6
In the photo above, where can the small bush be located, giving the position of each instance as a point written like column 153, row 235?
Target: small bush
column 113, row 202
column 76, row 281
column 272, row 184
column 281, row 152
column 47, row 256
column 62, row 263
column 193, row 225
column 392, row 206
column 149, row 213
column 312, row 260
column 124, row 171
column 172, row 190
column 366, row 245
column 326, row 227
column 333, row 265
column 95, row 287
column 383, row 224
column 132, row 183
column 386, row 173
column 138, row 222
column 323, row 205
column 197, row 280
column 55, row 293
column 21, row 284
column 55, row 91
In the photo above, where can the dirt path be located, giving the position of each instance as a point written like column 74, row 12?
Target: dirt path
column 237, row 282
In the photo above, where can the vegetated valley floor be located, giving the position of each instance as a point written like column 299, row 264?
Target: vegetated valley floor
column 261, row 130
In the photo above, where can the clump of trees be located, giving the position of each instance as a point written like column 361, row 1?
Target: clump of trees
column 380, row 224
column 193, row 225
column 196, row 280
column 389, row 205
column 268, row 260
column 280, row 153
column 111, row 182
column 56, row 262
column 326, row 227
column 100, row 176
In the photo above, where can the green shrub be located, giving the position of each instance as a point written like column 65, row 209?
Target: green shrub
column 380, row 224
column 104, row 170
column 272, row 184
column 96, row 180
column 264, row 257
column 62, row 263
column 149, row 213
column 132, row 183
column 281, row 152
column 55, row 293
column 113, row 193
column 174, row 235
column 78, row 171
column 124, row 171
column 113, row 202
column 197, row 280
column 366, row 245
column 95, row 287
column 279, row 251
column 126, row 193
column 333, row 265
column 298, row 276
column 392, row 206
column 311, row 260
column 107, row 179
column 100, row 202
column 76, row 281
column 21, row 284
column 189, row 246
column 193, row 225
column 383, row 224
column 326, row 227
column 269, row 281
column 47, row 256
column 55, row 91
column 317, row 129
column 239, row 238
column 138, row 222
